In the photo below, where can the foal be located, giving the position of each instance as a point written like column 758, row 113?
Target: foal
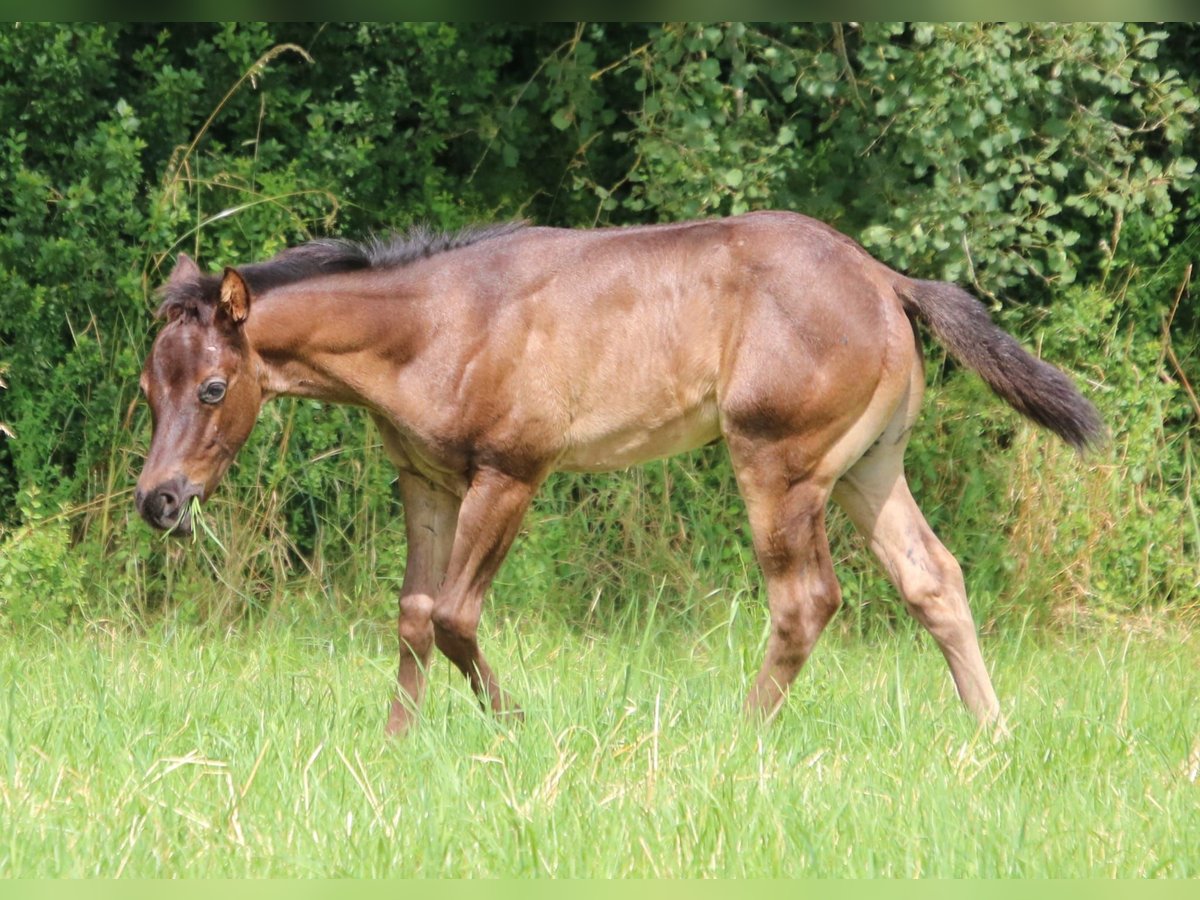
column 492, row 357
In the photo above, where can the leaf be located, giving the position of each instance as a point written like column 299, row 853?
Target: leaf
column 562, row 118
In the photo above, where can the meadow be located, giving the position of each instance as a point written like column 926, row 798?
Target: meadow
column 173, row 750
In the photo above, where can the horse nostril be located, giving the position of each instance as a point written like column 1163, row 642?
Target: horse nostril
column 168, row 504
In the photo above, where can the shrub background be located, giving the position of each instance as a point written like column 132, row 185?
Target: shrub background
column 1050, row 168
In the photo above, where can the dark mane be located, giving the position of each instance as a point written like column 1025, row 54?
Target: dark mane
column 422, row 241
column 325, row 256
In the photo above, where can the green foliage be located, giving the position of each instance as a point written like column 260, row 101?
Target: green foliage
column 979, row 153
column 1059, row 131
column 1048, row 166
column 40, row 584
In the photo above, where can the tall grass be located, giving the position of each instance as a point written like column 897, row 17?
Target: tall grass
column 179, row 750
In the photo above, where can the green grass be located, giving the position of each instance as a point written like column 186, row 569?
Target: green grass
column 181, row 750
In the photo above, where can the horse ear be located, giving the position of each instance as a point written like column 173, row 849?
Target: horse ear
column 185, row 270
column 235, row 296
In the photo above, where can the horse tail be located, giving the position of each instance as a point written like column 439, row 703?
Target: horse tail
column 1034, row 388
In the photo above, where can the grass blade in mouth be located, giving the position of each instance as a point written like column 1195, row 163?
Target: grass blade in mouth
column 196, row 512
column 198, row 523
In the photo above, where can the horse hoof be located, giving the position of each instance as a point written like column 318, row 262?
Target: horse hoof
column 511, row 715
column 400, row 720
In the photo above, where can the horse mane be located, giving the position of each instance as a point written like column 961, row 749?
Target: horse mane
column 197, row 297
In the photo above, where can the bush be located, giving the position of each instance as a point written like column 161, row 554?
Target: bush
column 1047, row 166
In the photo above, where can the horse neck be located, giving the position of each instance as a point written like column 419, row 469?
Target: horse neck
column 330, row 345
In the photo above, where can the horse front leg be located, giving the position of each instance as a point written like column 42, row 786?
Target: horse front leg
column 431, row 515
column 488, row 522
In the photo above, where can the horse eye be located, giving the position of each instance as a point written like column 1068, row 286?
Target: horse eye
column 212, row 391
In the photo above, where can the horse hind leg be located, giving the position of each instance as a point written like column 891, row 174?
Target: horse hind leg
column 875, row 495
column 787, row 522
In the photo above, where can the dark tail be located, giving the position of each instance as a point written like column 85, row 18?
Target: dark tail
column 1033, row 388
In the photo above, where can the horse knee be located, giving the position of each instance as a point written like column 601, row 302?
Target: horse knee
column 414, row 625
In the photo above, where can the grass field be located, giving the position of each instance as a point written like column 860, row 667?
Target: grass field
column 183, row 751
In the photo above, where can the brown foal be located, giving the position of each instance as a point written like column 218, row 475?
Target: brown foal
column 492, row 357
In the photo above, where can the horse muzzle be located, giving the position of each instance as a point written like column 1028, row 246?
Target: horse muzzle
column 167, row 507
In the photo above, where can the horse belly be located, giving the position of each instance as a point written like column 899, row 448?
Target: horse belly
column 599, row 446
